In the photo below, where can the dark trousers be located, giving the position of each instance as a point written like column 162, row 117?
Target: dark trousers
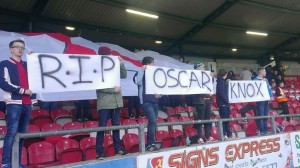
column 134, row 102
column 203, row 113
column 285, row 109
column 82, row 109
column 247, row 108
column 225, row 113
column 105, row 115
column 263, row 110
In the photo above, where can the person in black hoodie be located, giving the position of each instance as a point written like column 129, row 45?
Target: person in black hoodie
column 222, row 102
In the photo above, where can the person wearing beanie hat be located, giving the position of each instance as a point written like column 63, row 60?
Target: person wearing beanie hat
column 202, row 104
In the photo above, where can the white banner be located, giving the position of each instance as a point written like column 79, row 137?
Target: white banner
column 295, row 143
column 71, row 72
column 247, row 91
column 170, row 81
column 260, row 152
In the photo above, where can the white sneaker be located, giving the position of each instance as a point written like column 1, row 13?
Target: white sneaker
column 225, row 138
column 200, row 141
column 210, row 139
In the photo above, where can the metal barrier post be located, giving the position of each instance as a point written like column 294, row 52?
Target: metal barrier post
column 15, row 152
column 142, row 138
column 273, row 124
column 221, row 133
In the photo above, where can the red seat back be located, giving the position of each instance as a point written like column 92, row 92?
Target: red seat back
column 41, row 152
column 131, row 142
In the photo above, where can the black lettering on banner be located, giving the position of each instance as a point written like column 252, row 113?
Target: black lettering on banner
column 253, row 93
column 49, row 74
column 103, row 58
column 192, row 79
column 205, row 82
column 154, row 77
column 172, row 77
column 241, row 90
column 80, row 68
column 179, row 73
column 258, row 89
column 231, row 89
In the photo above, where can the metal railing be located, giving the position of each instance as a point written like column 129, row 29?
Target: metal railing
column 141, row 131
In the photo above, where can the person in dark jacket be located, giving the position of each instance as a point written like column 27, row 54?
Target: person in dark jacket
column 202, row 104
column 222, row 101
column 149, row 104
column 18, row 98
column 109, row 103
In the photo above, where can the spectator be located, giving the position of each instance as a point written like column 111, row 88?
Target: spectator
column 150, row 104
column 231, row 76
column 202, row 104
column 246, row 74
column 109, row 102
column 82, row 110
column 282, row 99
column 223, row 103
column 18, row 97
column 181, row 59
column 263, row 106
column 247, row 108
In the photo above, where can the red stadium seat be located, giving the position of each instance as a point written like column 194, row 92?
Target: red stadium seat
column 297, row 127
column 179, row 109
column 53, row 127
column 165, row 138
column 178, row 136
column 171, row 112
column 288, row 128
column 285, row 123
column 131, row 142
column 291, row 110
column 2, row 119
column 234, row 111
column 142, row 121
column 174, row 119
column 68, row 151
column 88, row 147
column 61, row 116
column 236, row 127
column 190, row 132
column 41, row 154
column 75, row 125
column 124, row 113
column 163, row 128
column 214, row 132
column 33, row 128
column 108, row 145
column 94, row 113
column 40, row 117
column 131, row 122
column 275, row 104
column 297, row 110
column 185, row 118
column 3, row 130
column 91, row 124
column 279, row 119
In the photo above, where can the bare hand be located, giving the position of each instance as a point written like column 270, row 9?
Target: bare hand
column 117, row 89
column 120, row 59
column 28, row 92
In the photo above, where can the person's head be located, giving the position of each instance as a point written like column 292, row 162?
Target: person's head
column 181, row 59
column 281, row 84
column 17, row 47
column 276, row 72
column 199, row 65
column 222, row 73
column 148, row 61
column 104, row 51
column 261, row 72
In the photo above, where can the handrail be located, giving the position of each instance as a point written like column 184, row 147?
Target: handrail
column 141, row 128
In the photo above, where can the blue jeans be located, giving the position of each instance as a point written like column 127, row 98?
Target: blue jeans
column 82, row 105
column 151, row 112
column 204, row 113
column 18, row 117
column 263, row 110
column 105, row 115
column 225, row 113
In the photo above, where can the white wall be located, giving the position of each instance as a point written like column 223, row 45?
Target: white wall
column 293, row 68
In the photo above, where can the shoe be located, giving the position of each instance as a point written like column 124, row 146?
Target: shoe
column 78, row 120
column 100, row 158
column 225, row 138
column 85, row 119
column 142, row 116
column 152, row 147
column 122, row 152
column 210, row 139
column 200, row 141
column 6, row 166
column 131, row 116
